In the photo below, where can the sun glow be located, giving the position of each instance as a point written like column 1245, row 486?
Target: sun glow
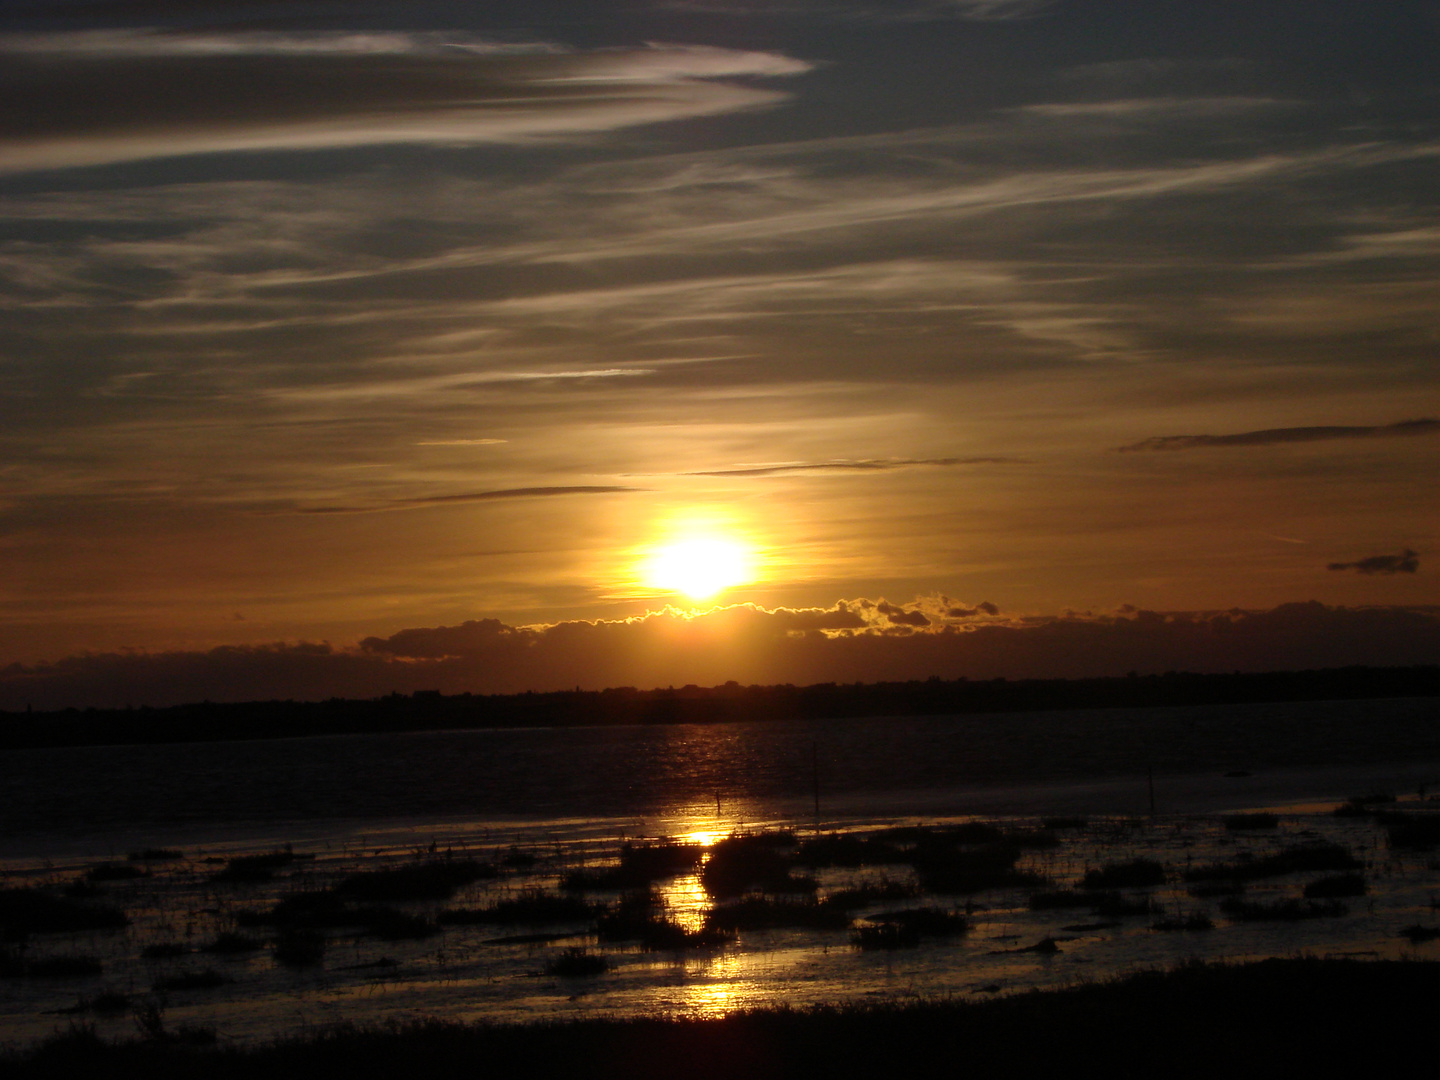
column 698, row 566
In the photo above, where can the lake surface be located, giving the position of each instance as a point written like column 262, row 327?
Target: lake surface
column 566, row 799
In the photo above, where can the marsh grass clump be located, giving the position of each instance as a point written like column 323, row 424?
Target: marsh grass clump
column 105, row 1003
column 768, row 913
column 115, row 872
column 577, row 962
column 870, row 892
column 208, row 979
column 1419, row 935
column 391, row 924
column 1250, row 822
column 30, row 911
column 1059, row 900
column 1305, row 858
column 434, row 880
column 927, row 921
column 744, row 861
column 1031, row 839
column 1115, row 905
column 958, row 868
column 885, row 936
column 849, row 850
column 14, row 965
column 164, row 950
column 155, row 855
column 1413, row 832
column 299, row 948
column 639, row 866
column 1194, row 921
column 641, row 917
column 1289, row 910
column 1336, row 885
column 311, row 910
column 248, row 869
column 1061, row 824
column 530, row 908
column 1134, row 874
column 1210, row 890
column 231, row 944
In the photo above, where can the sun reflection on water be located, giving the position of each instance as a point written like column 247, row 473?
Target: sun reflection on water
column 718, row 990
column 686, row 901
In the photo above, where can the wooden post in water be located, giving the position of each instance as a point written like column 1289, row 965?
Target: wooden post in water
column 815, row 773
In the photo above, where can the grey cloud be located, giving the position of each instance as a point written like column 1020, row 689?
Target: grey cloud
column 1274, row 436
column 984, row 607
column 105, row 96
column 1407, row 562
column 875, row 465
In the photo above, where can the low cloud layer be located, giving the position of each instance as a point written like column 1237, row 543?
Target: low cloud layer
column 858, row 640
column 105, row 96
column 1275, row 436
column 1407, row 562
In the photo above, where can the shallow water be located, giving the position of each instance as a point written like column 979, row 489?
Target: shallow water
column 569, row 797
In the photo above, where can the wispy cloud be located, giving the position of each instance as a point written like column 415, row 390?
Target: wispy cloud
column 875, row 465
column 1277, row 436
column 469, row 497
column 106, row 96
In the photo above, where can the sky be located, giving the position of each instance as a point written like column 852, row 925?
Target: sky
column 352, row 346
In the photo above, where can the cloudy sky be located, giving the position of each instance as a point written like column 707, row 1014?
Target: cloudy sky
column 332, row 321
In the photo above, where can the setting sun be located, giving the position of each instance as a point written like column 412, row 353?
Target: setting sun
column 699, row 567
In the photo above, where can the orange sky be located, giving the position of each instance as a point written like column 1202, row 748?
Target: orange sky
column 322, row 324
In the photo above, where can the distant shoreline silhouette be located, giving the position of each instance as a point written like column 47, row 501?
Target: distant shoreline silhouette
column 727, row 703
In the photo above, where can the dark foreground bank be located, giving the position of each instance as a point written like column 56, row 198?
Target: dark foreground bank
column 1288, row 1017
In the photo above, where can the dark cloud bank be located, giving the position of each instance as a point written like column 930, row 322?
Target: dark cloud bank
column 853, row 641
column 1407, row 562
column 1276, row 436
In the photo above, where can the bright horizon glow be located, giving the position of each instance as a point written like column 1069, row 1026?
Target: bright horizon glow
column 700, row 567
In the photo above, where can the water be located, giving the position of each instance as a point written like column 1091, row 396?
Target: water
column 569, row 796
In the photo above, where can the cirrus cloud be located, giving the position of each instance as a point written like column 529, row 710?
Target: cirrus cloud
column 105, row 96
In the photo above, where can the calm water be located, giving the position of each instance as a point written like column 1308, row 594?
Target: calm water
column 568, row 797
column 57, row 799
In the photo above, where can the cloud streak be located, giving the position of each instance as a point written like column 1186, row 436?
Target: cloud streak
column 469, row 497
column 875, row 465
column 101, row 97
column 1280, row 436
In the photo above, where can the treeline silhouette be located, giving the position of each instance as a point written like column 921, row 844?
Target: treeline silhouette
column 427, row 710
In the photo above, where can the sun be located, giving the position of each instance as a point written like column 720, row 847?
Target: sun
column 699, row 567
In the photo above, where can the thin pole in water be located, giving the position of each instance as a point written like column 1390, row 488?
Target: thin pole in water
column 815, row 773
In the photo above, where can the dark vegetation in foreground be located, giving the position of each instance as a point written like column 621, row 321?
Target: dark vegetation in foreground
column 1277, row 1017
column 431, row 710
